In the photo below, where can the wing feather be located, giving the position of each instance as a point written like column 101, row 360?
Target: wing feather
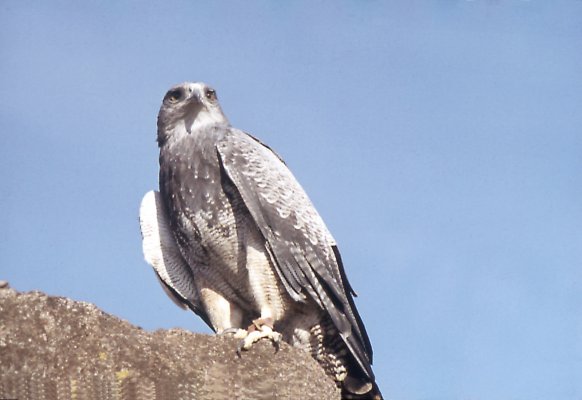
column 162, row 253
column 304, row 251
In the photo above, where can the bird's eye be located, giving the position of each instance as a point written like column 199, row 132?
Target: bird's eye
column 210, row 94
column 175, row 96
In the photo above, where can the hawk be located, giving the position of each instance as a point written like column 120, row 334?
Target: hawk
column 233, row 236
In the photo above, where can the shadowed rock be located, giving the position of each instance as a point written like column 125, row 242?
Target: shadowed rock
column 57, row 348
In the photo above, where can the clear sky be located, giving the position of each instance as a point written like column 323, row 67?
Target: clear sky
column 440, row 140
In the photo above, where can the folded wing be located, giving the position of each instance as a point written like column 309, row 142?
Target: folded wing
column 300, row 244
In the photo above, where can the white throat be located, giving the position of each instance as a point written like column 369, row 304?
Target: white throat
column 203, row 119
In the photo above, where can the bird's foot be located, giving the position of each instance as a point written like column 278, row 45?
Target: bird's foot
column 260, row 329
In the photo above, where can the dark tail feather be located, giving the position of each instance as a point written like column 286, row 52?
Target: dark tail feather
column 357, row 389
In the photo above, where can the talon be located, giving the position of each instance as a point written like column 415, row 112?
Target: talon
column 228, row 331
column 235, row 332
column 260, row 329
column 277, row 341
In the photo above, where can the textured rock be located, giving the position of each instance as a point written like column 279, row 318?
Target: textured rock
column 53, row 347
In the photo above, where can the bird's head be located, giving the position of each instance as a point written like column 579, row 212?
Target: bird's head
column 186, row 108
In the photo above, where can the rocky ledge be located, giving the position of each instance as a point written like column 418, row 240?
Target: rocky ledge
column 58, row 348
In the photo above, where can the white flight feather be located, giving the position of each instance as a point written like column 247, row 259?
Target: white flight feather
column 160, row 248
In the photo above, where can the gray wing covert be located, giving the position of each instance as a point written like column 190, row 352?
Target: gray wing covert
column 162, row 253
column 303, row 250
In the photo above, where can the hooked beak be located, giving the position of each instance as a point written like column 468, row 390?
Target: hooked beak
column 193, row 95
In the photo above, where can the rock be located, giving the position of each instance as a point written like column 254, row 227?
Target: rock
column 57, row 348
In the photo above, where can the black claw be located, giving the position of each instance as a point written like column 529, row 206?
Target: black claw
column 277, row 345
column 229, row 331
column 239, row 348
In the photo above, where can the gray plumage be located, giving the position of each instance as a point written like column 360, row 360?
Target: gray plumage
column 234, row 237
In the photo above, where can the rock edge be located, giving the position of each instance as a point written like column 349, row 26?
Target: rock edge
column 58, row 348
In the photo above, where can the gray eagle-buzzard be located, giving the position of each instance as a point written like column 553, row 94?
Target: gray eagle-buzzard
column 233, row 236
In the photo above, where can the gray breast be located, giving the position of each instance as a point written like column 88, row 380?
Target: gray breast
column 208, row 217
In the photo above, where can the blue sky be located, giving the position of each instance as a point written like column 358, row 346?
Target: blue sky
column 440, row 140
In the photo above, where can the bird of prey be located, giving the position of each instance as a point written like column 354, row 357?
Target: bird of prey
column 233, row 236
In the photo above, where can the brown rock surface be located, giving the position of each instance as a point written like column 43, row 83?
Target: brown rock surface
column 57, row 348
